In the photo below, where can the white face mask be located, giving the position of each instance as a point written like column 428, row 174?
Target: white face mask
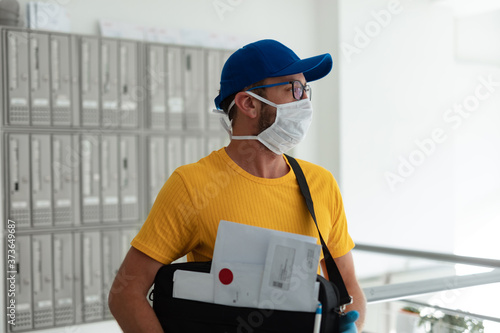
column 289, row 128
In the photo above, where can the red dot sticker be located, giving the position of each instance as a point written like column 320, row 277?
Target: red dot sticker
column 225, row 276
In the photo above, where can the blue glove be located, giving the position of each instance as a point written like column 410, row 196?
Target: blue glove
column 347, row 322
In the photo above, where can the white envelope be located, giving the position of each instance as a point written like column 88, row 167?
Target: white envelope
column 289, row 279
column 196, row 286
column 243, row 243
column 242, row 248
column 237, row 284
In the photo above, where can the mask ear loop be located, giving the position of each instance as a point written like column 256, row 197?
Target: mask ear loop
column 262, row 99
column 225, row 125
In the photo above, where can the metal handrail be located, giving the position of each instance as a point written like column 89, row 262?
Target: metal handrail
column 397, row 291
column 430, row 255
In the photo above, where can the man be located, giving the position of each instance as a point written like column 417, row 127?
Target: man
column 265, row 94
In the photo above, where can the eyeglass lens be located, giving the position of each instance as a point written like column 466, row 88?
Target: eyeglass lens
column 298, row 90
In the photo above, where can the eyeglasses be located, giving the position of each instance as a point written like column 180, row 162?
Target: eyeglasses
column 298, row 89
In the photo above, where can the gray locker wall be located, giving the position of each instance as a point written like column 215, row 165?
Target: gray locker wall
column 156, row 86
column 129, row 178
column 18, row 87
column 111, row 260
column 91, row 276
column 19, row 196
column 175, row 83
column 64, row 277
column 24, row 302
column 43, row 306
column 213, row 64
column 63, row 165
column 92, row 129
column 78, row 277
column 157, row 174
column 90, row 178
column 194, row 88
column 109, row 83
column 175, row 153
column 73, row 160
column 213, row 143
column 130, row 92
column 89, row 85
column 76, row 95
column 39, row 79
column 41, row 180
column 109, row 178
column 193, row 148
column 60, row 80
column 126, row 235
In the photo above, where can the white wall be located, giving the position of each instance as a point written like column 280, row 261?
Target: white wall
column 477, row 155
column 256, row 19
column 291, row 22
column 405, row 75
column 325, row 132
column 419, row 128
column 396, row 82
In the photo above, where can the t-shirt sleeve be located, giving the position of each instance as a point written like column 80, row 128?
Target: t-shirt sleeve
column 170, row 230
column 339, row 241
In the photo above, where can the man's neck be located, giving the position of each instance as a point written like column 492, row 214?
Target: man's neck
column 256, row 159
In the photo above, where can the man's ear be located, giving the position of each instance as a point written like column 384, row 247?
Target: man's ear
column 246, row 104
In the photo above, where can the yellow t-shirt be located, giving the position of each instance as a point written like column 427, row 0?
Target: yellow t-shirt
column 187, row 211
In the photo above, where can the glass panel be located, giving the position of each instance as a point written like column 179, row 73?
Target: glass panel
column 447, row 309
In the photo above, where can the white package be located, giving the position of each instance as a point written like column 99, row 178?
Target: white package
column 243, row 243
column 196, row 286
column 260, row 256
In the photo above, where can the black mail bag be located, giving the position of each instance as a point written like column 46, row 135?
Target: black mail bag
column 187, row 316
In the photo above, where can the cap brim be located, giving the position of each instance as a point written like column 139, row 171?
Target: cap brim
column 313, row 68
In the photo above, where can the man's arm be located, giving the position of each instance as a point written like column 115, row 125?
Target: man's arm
column 345, row 265
column 127, row 298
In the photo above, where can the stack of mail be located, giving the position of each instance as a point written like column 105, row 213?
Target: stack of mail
column 256, row 267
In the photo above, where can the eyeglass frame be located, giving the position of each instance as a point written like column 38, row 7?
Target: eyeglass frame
column 305, row 88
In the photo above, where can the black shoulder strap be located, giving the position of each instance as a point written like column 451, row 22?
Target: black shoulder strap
column 331, row 267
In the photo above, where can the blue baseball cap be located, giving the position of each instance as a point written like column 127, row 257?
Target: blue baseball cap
column 267, row 58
